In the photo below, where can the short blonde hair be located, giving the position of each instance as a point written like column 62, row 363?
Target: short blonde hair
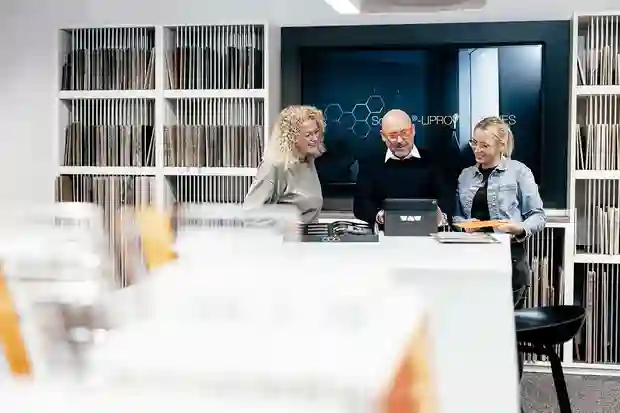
column 500, row 131
column 282, row 144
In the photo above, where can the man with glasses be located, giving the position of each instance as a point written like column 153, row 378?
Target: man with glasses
column 404, row 171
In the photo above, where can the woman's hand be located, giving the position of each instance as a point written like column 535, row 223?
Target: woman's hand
column 511, row 228
column 470, row 230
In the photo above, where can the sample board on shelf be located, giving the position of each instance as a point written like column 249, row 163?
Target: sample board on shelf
column 108, row 59
column 597, row 289
column 215, row 57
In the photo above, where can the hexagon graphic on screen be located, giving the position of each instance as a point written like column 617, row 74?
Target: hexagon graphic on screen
column 332, row 112
column 361, row 129
column 347, row 120
column 360, row 112
column 375, row 104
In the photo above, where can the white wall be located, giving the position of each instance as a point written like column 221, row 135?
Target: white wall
column 484, row 77
column 464, row 125
column 478, row 88
column 28, row 41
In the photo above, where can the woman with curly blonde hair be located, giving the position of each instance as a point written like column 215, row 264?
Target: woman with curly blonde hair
column 287, row 174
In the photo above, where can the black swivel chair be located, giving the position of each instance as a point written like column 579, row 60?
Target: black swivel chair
column 540, row 329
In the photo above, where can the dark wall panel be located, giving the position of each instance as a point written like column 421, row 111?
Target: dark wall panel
column 554, row 100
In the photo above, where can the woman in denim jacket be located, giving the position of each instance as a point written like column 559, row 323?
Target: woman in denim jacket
column 499, row 188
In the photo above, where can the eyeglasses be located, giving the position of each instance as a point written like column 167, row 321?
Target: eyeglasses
column 474, row 144
column 403, row 134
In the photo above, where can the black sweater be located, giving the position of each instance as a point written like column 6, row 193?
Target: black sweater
column 411, row 178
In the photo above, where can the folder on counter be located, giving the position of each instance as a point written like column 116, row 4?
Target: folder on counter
column 480, row 224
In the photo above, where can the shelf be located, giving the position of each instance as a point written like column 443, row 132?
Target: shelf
column 601, row 174
column 215, row 93
column 223, row 171
column 165, row 96
column 597, row 90
column 106, row 94
column 583, row 258
column 558, row 224
column 575, row 368
column 106, row 170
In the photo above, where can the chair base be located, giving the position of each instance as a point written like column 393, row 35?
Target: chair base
column 556, row 371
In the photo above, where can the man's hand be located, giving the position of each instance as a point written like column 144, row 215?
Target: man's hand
column 442, row 219
column 380, row 218
column 511, row 228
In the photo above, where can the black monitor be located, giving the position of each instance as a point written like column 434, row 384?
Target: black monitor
column 410, row 217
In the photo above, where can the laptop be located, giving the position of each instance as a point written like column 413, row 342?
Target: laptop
column 410, row 217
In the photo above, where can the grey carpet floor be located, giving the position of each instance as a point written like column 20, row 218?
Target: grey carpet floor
column 588, row 394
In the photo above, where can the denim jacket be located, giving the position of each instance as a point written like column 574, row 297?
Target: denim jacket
column 512, row 194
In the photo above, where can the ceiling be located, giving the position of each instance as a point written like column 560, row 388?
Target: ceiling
column 284, row 12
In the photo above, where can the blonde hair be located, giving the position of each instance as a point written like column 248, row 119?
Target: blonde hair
column 500, row 131
column 282, row 143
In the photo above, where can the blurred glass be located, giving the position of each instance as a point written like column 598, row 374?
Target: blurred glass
column 55, row 260
column 204, row 244
column 229, row 237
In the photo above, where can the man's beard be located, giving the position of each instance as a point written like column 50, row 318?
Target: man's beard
column 398, row 150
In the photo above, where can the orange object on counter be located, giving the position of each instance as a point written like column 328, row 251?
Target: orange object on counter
column 156, row 236
column 480, row 224
column 11, row 335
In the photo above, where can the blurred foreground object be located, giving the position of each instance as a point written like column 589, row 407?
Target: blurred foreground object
column 236, row 317
column 55, row 266
column 11, row 338
column 142, row 239
column 157, row 237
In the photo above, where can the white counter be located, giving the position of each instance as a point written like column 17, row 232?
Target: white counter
column 470, row 289
column 412, row 252
column 466, row 287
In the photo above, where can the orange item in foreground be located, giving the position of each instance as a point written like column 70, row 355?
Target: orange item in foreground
column 156, row 237
column 11, row 338
column 480, row 224
column 413, row 388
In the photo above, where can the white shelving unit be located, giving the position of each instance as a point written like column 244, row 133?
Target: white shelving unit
column 164, row 114
column 592, row 264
